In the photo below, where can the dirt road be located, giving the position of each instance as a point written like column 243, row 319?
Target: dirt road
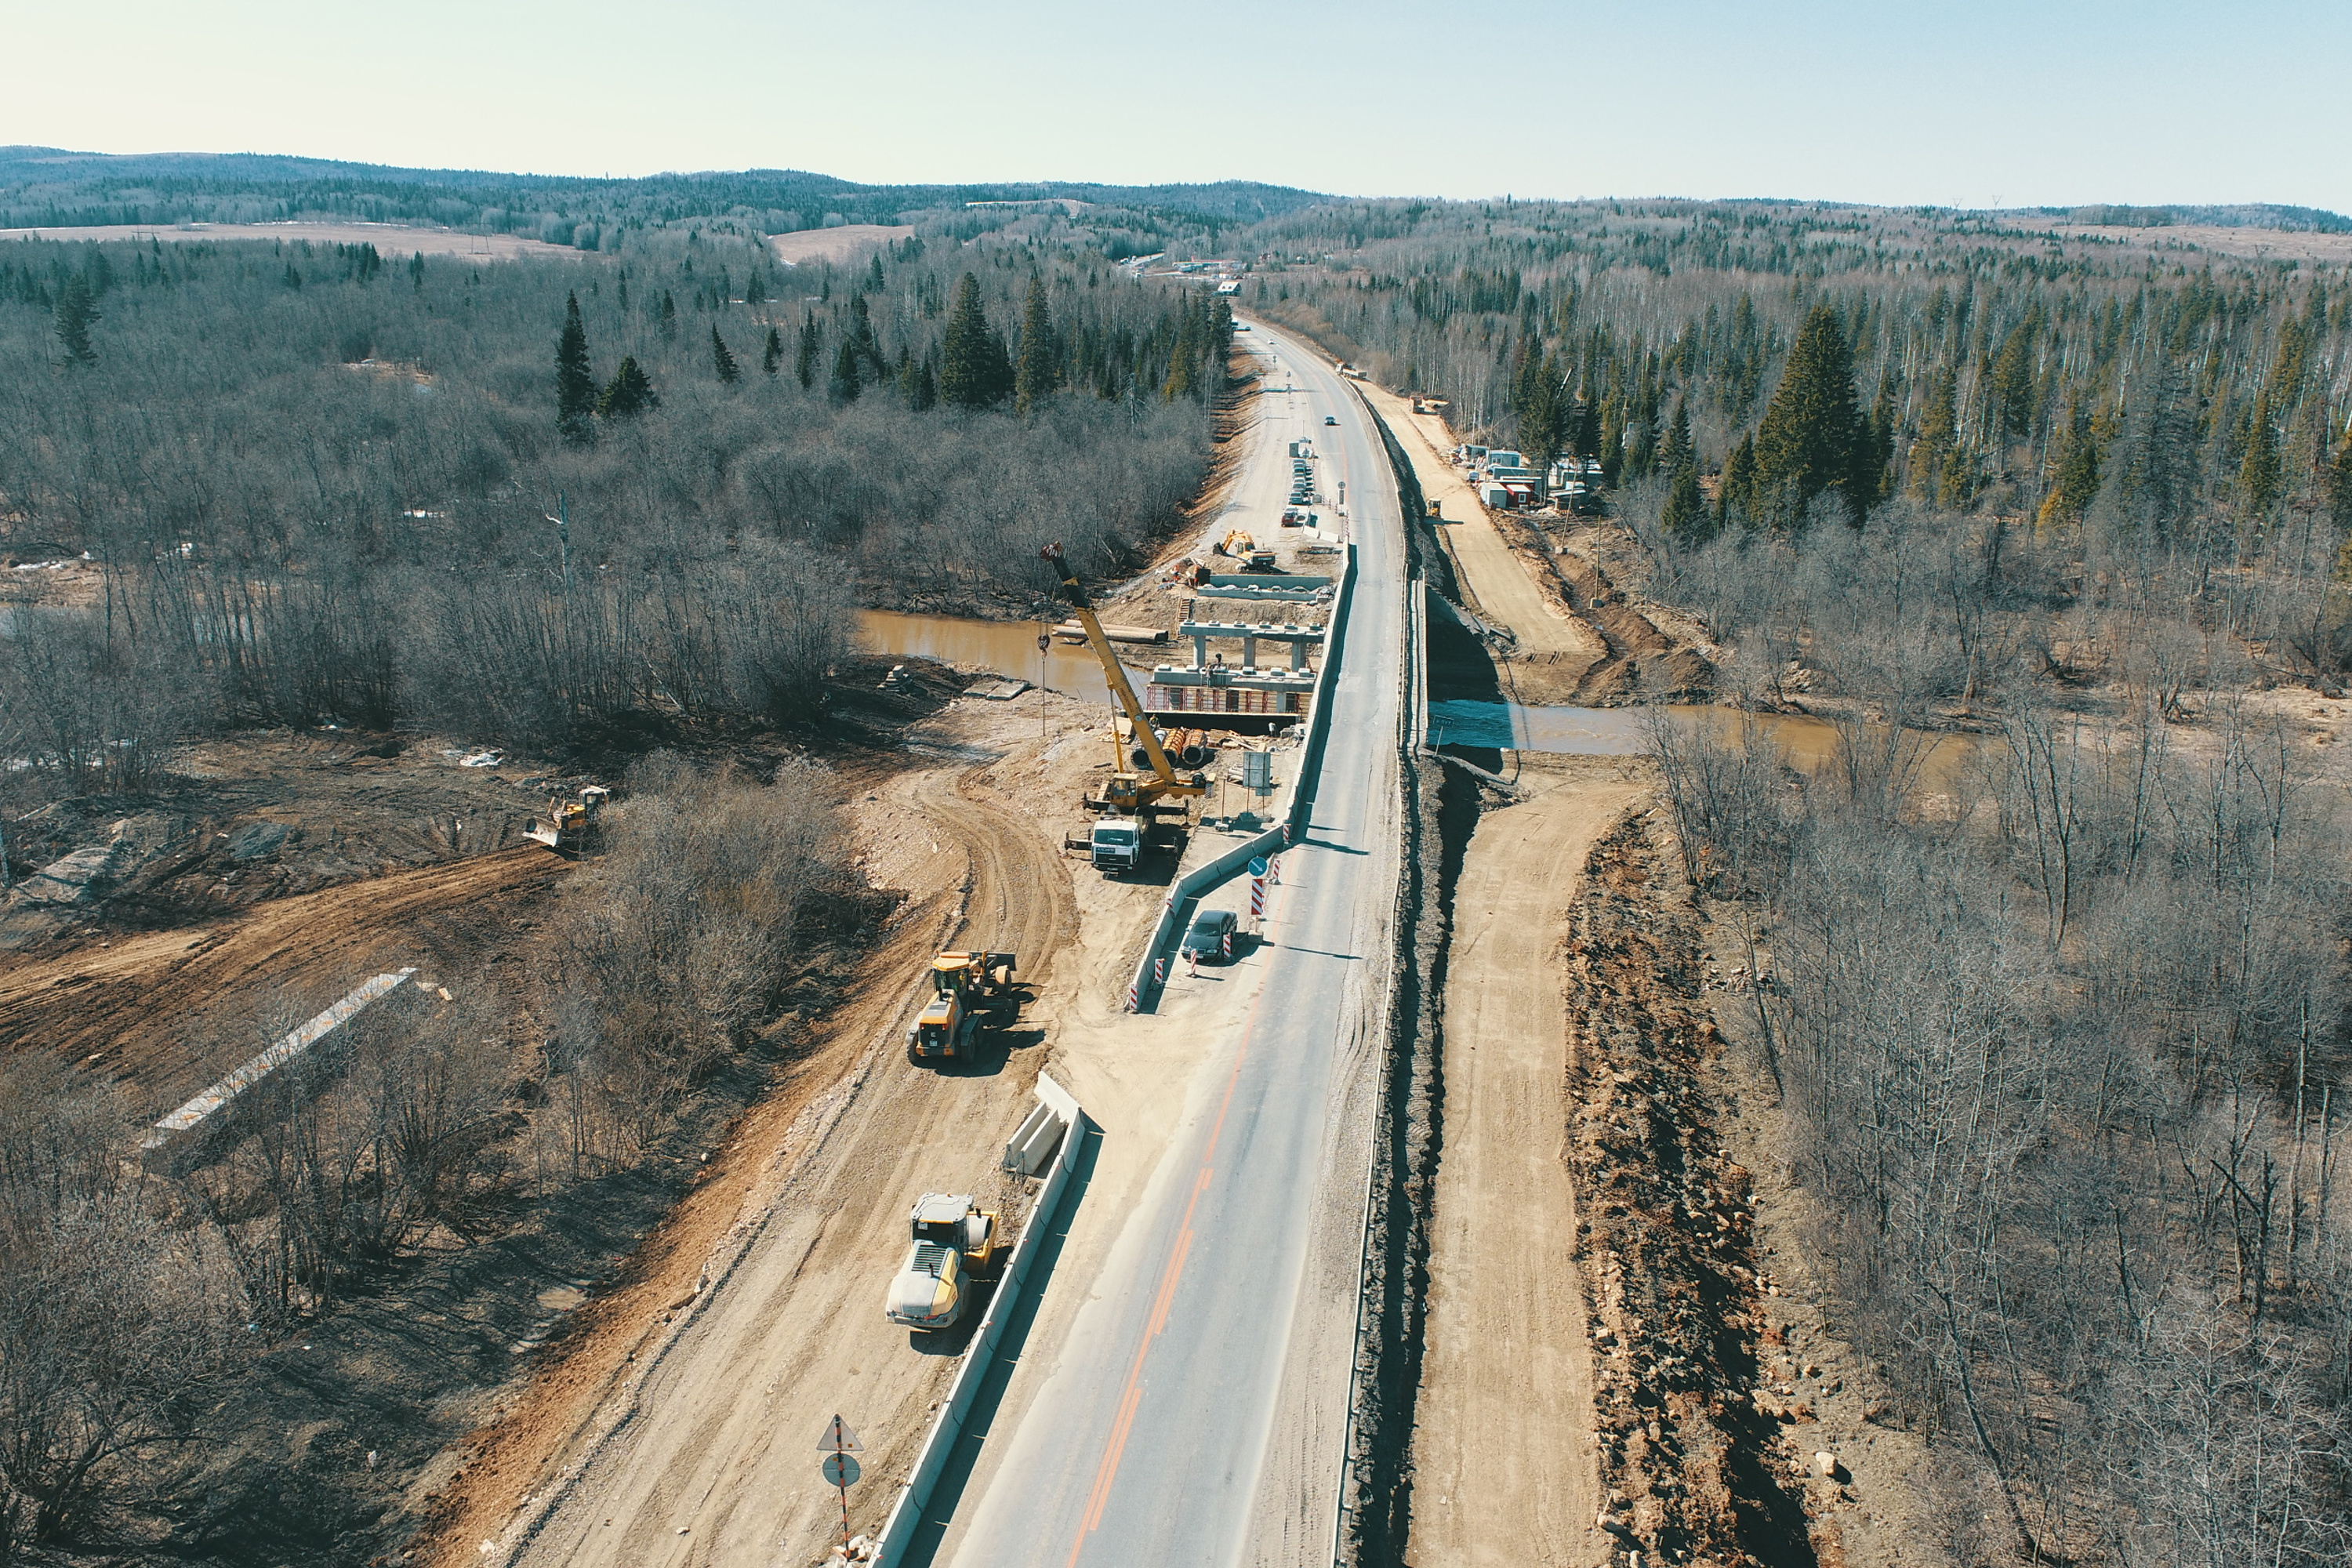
column 1501, row 1477
column 653, row 1442
column 168, row 1013
column 1499, row 587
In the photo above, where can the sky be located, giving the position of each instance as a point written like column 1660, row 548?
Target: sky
column 1994, row 102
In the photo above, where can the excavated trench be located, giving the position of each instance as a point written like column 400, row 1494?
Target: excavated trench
column 1441, row 811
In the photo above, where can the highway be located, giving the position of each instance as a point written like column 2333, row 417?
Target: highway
column 1195, row 1412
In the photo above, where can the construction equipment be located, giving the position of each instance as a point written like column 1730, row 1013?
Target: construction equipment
column 569, row 824
column 953, row 1242
column 1128, row 794
column 1253, row 556
column 950, row 1021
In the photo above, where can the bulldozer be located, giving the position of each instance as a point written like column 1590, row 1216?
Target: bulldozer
column 950, row 1021
column 569, row 824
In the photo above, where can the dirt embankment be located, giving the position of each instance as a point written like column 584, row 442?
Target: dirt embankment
column 1562, row 625
column 1701, row 1437
column 165, row 1013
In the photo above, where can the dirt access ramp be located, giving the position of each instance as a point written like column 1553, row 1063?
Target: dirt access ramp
column 1502, row 1478
column 167, row 1012
column 676, row 1423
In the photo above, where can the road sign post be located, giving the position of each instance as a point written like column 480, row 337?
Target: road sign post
column 839, row 1469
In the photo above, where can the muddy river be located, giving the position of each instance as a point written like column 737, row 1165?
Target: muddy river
column 1008, row 648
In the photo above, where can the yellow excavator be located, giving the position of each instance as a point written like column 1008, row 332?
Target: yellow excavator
column 1128, row 794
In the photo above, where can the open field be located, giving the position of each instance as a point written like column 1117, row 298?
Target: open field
column 841, row 243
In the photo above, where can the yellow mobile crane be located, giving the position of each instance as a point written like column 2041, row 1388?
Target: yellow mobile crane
column 1128, row 794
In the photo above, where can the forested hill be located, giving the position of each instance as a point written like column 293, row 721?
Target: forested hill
column 53, row 187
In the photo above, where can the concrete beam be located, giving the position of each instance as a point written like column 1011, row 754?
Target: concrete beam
column 177, row 1143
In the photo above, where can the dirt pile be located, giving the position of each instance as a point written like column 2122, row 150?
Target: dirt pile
column 1692, row 1460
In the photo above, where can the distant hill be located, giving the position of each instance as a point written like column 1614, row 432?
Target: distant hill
column 52, row 186
column 2245, row 215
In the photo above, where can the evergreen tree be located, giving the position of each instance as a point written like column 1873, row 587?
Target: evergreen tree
column 874, row 282
column 1936, row 444
column 416, row 273
column 805, row 352
column 1737, row 498
column 666, row 317
column 1584, row 435
column 2077, row 483
column 630, row 392
column 575, row 384
column 77, row 309
column 862, row 339
column 1539, row 399
column 1676, row 453
column 1685, row 515
column 1813, row 439
column 292, row 279
column 2259, row 474
column 846, row 382
column 924, row 395
column 720, row 360
column 772, row 354
column 1039, row 369
column 2339, row 486
column 1185, row 355
column 973, row 372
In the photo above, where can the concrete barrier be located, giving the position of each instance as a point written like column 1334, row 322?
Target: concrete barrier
column 183, row 1140
column 1144, row 986
column 907, row 1513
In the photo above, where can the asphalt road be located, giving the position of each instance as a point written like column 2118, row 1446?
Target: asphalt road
column 1200, row 1390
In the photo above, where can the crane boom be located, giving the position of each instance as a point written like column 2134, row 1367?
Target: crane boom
column 1115, row 674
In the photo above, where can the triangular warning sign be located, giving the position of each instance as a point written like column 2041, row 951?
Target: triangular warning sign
column 839, row 1439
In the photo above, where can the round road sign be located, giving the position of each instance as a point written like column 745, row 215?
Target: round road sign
column 840, row 1470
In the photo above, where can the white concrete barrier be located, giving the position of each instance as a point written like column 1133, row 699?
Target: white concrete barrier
column 907, row 1513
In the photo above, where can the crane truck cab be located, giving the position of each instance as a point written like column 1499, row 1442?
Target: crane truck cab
column 1116, row 844
column 953, row 1244
column 945, row 1028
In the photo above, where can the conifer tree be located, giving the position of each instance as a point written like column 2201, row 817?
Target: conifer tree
column 575, row 384
column 973, row 372
column 772, row 354
column 1537, row 399
column 291, row 280
column 862, row 339
column 1813, row 437
column 846, row 382
column 2339, row 486
column 2077, row 479
column 1938, row 430
column 1737, row 498
column 720, row 360
column 1685, row 515
column 666, row 317
column 1676, row 453
column 77, row 309
column 925, row 395
column 416, row 272
column 2258, row 474
column 805, row 352
column 1040, row 354
column 630, row 392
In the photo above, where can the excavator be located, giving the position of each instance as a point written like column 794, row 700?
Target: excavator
column 1128, row 794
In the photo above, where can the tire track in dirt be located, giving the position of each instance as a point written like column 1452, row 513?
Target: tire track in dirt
column 167, row 1012
column 795, row 1232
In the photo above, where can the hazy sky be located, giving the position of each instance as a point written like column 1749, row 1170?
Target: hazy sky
column 1956, row 104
